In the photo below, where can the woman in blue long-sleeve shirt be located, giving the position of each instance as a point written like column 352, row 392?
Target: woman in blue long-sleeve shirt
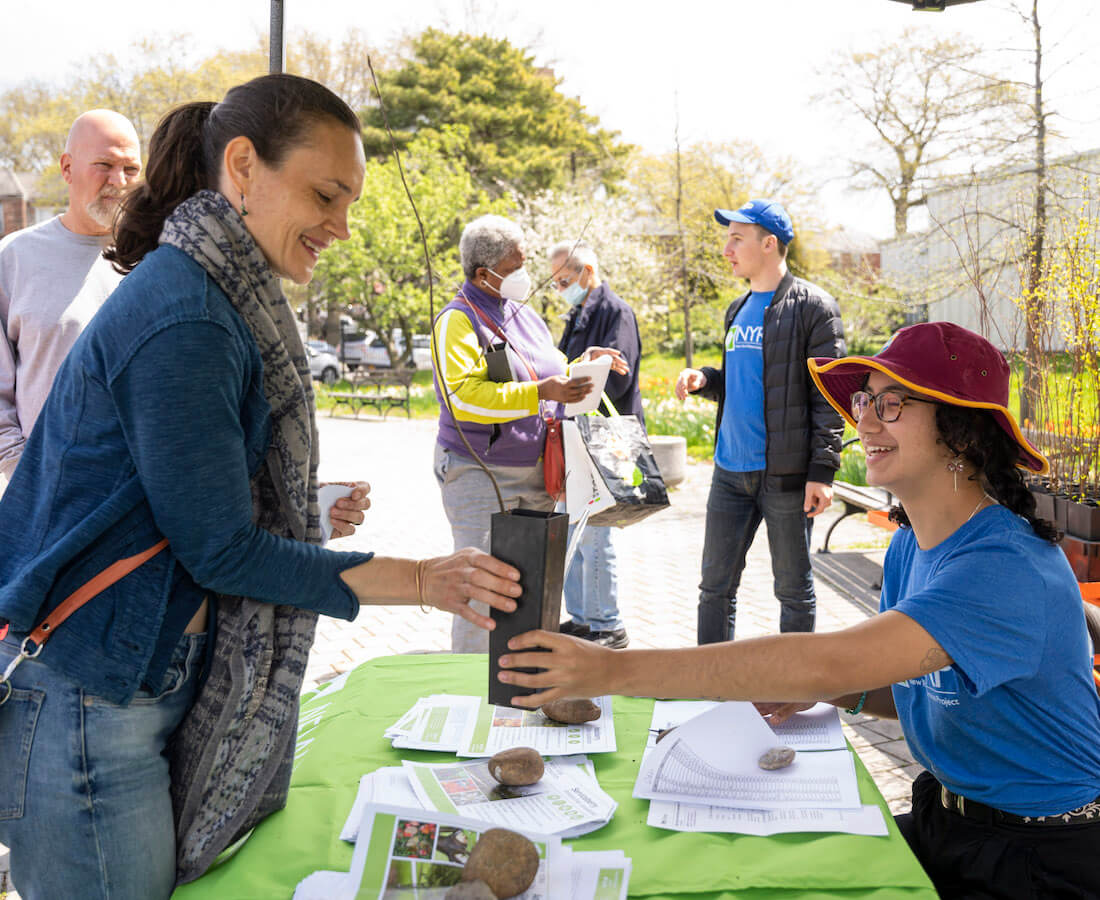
column 185, row 413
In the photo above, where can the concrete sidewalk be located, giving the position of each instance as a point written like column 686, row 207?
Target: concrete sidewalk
column 658, row 564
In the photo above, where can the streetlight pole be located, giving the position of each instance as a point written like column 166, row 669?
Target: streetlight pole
column 277, row 40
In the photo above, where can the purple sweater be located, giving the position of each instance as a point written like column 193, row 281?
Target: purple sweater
column 516, row 436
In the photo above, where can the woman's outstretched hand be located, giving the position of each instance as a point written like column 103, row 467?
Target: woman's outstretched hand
column 451, row 582
column 778, row 713
column 618, row 364
column 574, row 668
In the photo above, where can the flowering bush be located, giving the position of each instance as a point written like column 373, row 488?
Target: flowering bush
column 693, row 420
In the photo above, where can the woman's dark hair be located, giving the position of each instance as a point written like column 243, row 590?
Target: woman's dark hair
column 976, row 436
column 275, row 112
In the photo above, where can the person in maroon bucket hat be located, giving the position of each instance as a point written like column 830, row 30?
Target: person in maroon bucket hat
column 980, row 648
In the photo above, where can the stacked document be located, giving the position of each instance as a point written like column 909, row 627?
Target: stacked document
column 704, row 775
column 470, row 726
column 408, row 852
column 567, row 801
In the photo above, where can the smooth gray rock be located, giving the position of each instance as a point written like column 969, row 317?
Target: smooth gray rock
column 776, row 758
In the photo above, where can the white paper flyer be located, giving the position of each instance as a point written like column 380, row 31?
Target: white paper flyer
column 566, row 800
column 497, row 728
column 402, row 854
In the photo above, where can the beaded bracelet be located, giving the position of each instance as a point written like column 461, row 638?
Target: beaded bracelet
column 858, row 708
column 420, row 563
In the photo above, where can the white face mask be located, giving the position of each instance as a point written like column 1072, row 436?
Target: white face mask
column 515, row 286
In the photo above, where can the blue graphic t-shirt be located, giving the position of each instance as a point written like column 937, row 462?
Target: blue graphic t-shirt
column 742, row 441
column 1014, row 722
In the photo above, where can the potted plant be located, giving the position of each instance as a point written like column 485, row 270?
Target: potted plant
column 1066, row 394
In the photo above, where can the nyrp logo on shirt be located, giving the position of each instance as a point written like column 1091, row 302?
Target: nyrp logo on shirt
column 941, row 686
column 744, row 337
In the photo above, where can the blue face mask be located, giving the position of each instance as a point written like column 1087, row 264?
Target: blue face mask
column 574, row 294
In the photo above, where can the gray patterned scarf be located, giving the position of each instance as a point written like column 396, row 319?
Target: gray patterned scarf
column 232, row 754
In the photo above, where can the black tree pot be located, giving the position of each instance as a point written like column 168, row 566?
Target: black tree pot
column 1083, row 519
column 1044, row 502
column 534, row 542
column 1061, row 511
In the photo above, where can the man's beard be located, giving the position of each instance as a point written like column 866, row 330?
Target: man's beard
column 104, row 208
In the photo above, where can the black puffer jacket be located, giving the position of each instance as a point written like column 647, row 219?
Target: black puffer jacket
column 803, row 431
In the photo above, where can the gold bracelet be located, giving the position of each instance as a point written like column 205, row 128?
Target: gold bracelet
column 420, row 563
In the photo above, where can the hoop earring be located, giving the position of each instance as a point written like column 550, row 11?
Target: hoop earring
column 954, row 467
column 244, row 209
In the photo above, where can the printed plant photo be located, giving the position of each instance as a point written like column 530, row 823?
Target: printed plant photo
column 414, row 840
column 505, row 717
column 409, row 880
column 472, row 783
column 454, row 844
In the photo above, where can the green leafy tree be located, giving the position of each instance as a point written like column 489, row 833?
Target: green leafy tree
column 521, row 133
column 378, row 276
column 147, row 80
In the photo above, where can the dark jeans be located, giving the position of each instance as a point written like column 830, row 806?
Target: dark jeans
column 738, row 502
column 967, row 859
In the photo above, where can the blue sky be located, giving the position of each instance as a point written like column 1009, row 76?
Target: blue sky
column 732, row 69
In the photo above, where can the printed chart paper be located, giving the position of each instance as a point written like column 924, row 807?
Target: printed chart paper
column 867, row 819
column 817, row 728
column 497, row 728
column 712, row 760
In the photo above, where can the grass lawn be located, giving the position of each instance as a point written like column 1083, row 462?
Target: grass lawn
column 694, row 419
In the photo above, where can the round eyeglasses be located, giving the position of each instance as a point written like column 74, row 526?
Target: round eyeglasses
column 887, row 404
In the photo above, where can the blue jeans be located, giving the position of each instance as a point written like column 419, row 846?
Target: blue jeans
column 84, row 787
column 591, row 588
column 738, row 502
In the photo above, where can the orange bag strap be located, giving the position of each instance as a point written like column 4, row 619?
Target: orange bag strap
column 32, row 644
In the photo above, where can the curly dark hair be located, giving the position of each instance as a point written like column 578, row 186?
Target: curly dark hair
column 976, row 436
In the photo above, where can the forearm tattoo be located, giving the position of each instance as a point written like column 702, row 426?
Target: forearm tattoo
column 934, row 660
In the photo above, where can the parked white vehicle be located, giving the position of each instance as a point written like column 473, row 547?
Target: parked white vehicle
column 370, row 350
column 323, row 366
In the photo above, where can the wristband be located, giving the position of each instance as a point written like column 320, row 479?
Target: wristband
column 858, row 708
column 420, row 584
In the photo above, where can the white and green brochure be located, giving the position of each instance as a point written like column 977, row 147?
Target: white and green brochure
column 411, row 854
column 497, row 728
column 567, row 800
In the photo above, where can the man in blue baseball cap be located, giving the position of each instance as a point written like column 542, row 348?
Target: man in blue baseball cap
column 777, row 440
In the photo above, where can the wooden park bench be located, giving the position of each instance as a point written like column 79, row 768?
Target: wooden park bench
column 380, row 389
column 855, row 573
column 860, row 499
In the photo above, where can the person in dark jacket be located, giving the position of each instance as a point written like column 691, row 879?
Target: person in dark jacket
column 777, row 440
column 597, row 316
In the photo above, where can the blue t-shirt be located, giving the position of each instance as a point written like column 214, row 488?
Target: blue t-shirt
column 1014, row 722
column 742, row 440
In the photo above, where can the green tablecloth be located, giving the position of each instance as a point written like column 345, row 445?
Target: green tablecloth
column 340, row 739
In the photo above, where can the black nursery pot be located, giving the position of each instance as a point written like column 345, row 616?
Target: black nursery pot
column 1083, row 520
column 534, row 542
column 1062, row 504
column 1044, row 503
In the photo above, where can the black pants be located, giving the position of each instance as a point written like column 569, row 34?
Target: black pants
column 966, row 859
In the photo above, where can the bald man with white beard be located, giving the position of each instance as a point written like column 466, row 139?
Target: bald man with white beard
column 53, row 277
